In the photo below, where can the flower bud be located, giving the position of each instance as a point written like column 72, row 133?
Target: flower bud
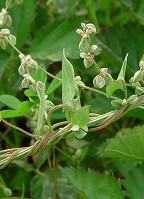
column 90, row 28
column 108, row 79
column 25, row 83
column 12, row 39
column 33, row 64
column 3, row 43
column 48, row 105
column 87, row 63
column 21, row 70
column 9, row 3
column 79, row 32
column 77, row 78
column 5, row 31
column 8, row 20
column 83, row 25
column 93, row 49
column 40, row 85
column 132, row 99
column 116, row 104
column 124, row 102
column 7, row 191
column 104, row 70
column 141, row 65
column 99, row 81
column 138, row 76
column 83, row 55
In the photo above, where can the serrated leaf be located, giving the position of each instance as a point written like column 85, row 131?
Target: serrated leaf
column 93, row 185
column 50, row 41
column 128, row 144
column 42, row 187
column 113, row 87
column 10, row 113
column 54, row 84
column 81, row 116
column 68, row 84
column 121, row 75
column 133, row 183
column 10, row 101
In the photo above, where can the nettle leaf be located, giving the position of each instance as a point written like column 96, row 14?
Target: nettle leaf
column 121, row 75
column 93, row 185
column 10, row 101
column 51, row 40
column 68, row 84
column 81, row 117
column 54, row 84
column 128, row 144
column 133, row 183
column 42, row 186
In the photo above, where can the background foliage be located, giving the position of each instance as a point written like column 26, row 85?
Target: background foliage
column 43, row 29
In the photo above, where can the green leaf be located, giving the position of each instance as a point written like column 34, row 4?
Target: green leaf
column 22, row 17
column 25, row 106
column 80, row 134
column 42, row 186
column 10, row 101
column 81, row 117
column 128, row 144
column 133, row 183
column 113, row 87
column 93, row 185
column 54, row 84
column 68, row 84
column 10, row 113
column 51, row 40
column 39, row 75
column 121, row 75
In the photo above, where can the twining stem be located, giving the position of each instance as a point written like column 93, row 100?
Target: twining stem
column 18, row 128
column 55, row 108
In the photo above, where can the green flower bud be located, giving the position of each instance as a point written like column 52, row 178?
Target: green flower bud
column 83, row 55
column 33, row 64
column 12, row 39
column 90, row 28
column 5, row 31
column 8, row 20
column 48, row 105
column 21, row 70
column 99, row 81
column 138, row 76
column 93, row 49
column 9, row 3
column 132, row 99
column 83, row 25
column 40, row 85
column 3, row 43
column 84, row 44
column 25, row 83
column 7, row 191
column 87, row 63
column 116, row 104
column 108, row 79
column 139, row 90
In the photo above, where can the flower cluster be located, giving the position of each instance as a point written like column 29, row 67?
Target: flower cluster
column 5, row 36
column 5, row 18
column 138, row 79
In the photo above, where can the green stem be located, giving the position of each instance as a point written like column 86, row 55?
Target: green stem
column 60, row 124
column 100, row 92
column 19, row 129
column 96, row 65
